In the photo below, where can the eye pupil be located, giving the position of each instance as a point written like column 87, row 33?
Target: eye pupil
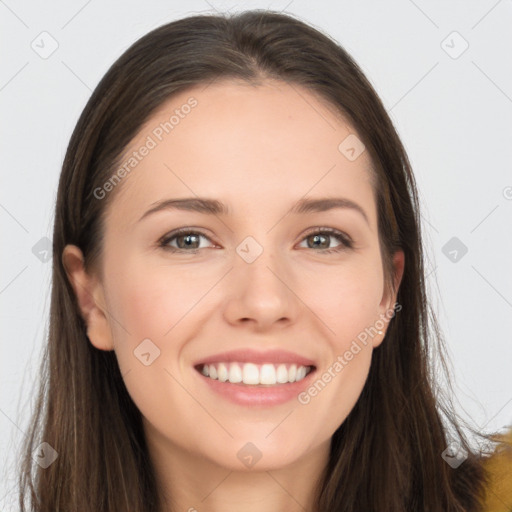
column 319, row 238
column 188, row 241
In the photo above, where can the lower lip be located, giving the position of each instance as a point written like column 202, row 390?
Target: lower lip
column 252, row 395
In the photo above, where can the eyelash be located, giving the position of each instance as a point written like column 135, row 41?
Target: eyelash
column 346, row 242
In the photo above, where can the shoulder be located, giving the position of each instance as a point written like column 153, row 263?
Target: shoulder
column 499, row 470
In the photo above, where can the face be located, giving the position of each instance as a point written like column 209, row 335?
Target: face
column 272, row 286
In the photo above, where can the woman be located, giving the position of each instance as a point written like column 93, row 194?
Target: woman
column 238, row 315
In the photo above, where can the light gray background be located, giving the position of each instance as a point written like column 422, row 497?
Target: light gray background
column 454, row 116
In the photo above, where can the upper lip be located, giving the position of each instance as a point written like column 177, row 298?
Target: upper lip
column 256, row 356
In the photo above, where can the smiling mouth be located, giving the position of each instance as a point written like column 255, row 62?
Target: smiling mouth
column 251, row 374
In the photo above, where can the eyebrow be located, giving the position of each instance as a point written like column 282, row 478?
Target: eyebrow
column 214, row 207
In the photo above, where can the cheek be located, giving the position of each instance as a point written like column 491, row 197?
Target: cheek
column 350, row 308
column 150, row 300
column 333, row 394
column 345, row 297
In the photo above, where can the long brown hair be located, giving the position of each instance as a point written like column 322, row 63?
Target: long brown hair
column 387, row 454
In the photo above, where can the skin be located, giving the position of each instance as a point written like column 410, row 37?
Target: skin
column 258, row 150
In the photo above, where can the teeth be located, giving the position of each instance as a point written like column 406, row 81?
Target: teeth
column 250, row 374
column 267, row 374
column 235, row 373
column 253, row 374
column 282, row 374
column 222, row 372
column 292, row 373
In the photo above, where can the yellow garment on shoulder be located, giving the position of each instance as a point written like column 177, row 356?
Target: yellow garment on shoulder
column 499, row 465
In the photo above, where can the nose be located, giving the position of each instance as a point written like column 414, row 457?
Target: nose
column 261, row 293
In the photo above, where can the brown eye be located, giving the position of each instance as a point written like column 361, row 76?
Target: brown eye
column 321, row 241
column 190, row 240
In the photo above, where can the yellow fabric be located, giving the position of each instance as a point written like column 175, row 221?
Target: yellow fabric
column 499, row 464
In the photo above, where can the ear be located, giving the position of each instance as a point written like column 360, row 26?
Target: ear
column 90, row 298
column 388, row 301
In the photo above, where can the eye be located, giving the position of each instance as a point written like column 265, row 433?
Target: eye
column 188, row 240
column 185, row 239
column 320, row 239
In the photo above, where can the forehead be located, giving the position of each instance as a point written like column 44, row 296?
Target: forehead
column 244, row 144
